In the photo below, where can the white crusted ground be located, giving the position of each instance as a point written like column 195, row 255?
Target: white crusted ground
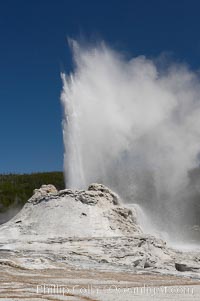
column 86, row 230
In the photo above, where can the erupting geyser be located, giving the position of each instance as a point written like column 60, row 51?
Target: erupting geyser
column 134, row 127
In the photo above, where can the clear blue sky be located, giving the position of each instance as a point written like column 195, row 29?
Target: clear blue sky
column 33, row 50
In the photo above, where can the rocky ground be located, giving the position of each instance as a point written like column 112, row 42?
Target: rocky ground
column 83, row 238
column 79, row 284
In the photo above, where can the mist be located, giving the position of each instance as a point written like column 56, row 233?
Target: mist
column 134, row 125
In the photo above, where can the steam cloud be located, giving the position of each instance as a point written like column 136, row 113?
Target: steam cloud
column 135, row 127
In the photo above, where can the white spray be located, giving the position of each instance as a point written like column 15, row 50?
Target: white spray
column 133, row 127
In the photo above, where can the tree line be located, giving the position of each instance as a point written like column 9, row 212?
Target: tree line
column 16, row 189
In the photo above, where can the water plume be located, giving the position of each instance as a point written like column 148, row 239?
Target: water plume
column 133, row 126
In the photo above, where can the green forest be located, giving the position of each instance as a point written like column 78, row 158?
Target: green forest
column 16, row 189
